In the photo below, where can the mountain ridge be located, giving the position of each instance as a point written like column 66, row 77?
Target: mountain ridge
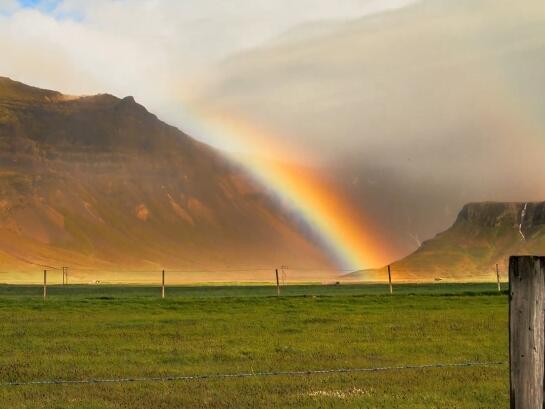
column 483, row 234
column 100, row 182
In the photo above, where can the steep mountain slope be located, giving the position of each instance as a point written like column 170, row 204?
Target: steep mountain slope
column 98, row 182
column 483, row 235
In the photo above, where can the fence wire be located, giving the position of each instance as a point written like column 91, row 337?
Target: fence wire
column 250, row 374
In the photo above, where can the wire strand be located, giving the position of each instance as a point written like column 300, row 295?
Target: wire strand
column 249, row 374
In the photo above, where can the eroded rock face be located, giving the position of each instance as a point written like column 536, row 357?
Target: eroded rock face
column 490, row 214
column 101, row 181
column 526, row 216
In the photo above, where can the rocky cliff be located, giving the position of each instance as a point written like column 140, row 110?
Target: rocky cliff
column 483, row 235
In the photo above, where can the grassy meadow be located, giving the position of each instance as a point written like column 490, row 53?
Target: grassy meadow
column 83, row 332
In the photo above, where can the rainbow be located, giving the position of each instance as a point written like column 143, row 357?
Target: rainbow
column 344, row 231
column 340, row 227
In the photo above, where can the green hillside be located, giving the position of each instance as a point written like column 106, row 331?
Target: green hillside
column 483, row 235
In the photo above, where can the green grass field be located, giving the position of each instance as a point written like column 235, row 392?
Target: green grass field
column 84, row 332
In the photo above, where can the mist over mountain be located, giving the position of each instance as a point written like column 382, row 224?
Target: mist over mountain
column 420, row 110
column 99, row 182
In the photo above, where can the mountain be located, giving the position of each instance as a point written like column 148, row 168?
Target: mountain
column 483, row 235
column 99, row 184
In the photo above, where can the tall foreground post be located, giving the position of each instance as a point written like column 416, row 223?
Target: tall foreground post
column 277, row 284
column 526, row 331
column 390, row 280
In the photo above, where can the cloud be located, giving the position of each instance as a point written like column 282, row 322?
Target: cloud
column 150, row 49
column 8, row 6
column 211, row 29
column 395, row 85
column 430, row 107
column 178, row 37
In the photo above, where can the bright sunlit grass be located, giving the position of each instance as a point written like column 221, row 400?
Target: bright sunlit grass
column 127, row 332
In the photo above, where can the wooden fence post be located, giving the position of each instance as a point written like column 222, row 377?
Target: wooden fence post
column 526, row 331
column 163, row 286
column 498, row 277
column 277, row 284
column 45, row 284
column 390, row 280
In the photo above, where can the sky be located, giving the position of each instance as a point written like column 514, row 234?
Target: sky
column 147, row 48
column 412, row 107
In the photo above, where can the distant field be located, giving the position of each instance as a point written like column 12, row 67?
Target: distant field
column 84, row 332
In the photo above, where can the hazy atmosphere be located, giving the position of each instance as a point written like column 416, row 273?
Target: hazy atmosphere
column 422, row 105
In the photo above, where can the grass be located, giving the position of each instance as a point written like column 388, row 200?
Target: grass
column 207, row 291
column 84, row 332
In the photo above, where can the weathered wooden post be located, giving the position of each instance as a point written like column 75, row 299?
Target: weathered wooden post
column 163, row 286
column 526, row 331
column 277, row 284
column 390, row 280
column 45, row 284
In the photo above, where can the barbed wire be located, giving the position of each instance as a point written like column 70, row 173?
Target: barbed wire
column 293, row 268
column 112, row 276
column 158, row 270
column 250, row 374
column 24, row 260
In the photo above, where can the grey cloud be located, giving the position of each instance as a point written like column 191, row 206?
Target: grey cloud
column 439, row 103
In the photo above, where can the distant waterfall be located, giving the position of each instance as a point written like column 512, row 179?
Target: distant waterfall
column 522, row 214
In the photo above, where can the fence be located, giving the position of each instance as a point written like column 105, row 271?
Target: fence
column 249, row 374
column 284, row 279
